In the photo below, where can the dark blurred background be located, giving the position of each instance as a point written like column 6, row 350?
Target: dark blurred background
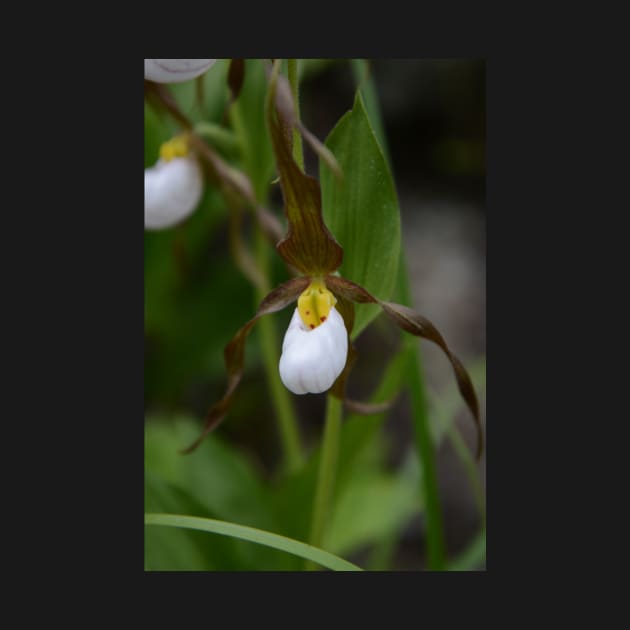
column 434, row 120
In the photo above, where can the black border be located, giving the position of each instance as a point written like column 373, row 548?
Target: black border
column 90, row 291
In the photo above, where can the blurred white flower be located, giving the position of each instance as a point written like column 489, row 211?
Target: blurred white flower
column 173, row 187
column 313, row 356
column 175, row 70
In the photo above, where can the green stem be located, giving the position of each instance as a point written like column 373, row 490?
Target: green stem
column 436, row 554
column 327, row 471
column 270, row 344
column 294, row 82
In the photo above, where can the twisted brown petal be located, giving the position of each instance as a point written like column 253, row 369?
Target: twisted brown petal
column 234, row 352
column 417, row 325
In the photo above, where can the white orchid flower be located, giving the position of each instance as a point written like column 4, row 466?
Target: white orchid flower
column 175, row 70
column 173, row 187
column 315, row 345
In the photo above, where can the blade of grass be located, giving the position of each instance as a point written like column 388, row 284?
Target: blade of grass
column 251, row 534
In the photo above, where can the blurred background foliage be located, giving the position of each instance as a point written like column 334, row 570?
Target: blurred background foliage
column 430, row 118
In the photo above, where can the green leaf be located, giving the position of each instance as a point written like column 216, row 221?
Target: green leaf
column 248, row 119
column 362, row 209
column 254, row 535
column 218, row 481
column 365, row 83
column 370, row 508
column 176, row 550
column 216, row 475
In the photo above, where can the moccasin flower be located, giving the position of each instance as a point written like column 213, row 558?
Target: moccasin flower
column 315, row 346
column 173, row 186
column 175, row 70
column 316, row 352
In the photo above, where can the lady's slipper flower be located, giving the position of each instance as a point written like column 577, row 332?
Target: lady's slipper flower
column 315, row 352
column 175, row 70
column 315, row 346
column 173, row 187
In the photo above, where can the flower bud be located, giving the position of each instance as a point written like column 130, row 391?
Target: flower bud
column 175, row 70
column 313, row 358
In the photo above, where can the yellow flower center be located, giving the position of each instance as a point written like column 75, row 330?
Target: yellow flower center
column 314, row 303
column 175, row 147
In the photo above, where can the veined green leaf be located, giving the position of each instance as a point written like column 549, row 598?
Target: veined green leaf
column 362, row 209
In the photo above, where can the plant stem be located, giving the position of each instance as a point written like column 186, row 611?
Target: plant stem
column 327, row 471
column 269, row 342
column 294, row 82
column 436, row 555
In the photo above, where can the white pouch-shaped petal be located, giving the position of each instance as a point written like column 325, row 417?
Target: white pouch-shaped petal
column 175, row 70
column 172, row 191
column 312, row 360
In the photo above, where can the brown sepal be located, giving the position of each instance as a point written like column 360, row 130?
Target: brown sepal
column 308, row 246
column 234, row 352
column 417, row 325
